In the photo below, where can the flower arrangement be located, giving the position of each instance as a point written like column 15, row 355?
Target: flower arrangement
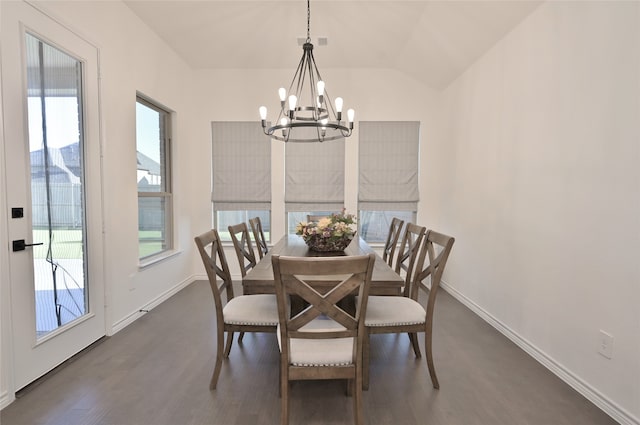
column 332, row 233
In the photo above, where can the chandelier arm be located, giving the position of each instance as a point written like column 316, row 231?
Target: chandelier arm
column 312, row 86
column 303, row 76
column 330, row 111
column 296, row 78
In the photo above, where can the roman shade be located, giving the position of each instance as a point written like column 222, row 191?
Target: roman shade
column 314, row 176
column 241, row 166
column 388, row 171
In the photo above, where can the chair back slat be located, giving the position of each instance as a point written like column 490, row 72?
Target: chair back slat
column 392, row 240
column 244, row 249
column 408, row 253
column 258, row 236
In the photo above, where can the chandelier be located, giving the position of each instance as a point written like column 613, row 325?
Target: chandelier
column 307, row 114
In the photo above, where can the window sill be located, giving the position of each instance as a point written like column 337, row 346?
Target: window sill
column 143, row 264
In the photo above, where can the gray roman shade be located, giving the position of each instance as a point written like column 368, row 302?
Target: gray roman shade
column 388, row 155
column 314, row 176
column 241, row 166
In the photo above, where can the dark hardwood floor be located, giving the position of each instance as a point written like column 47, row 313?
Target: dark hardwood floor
column 157, row 371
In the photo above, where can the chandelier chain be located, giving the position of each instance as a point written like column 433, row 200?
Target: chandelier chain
column 308, row 22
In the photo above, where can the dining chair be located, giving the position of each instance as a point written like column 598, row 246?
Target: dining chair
column 258, row 236
column 322, row 341
column 244, row 249
column 412, row 313
column 244, row 313
column 392, row 240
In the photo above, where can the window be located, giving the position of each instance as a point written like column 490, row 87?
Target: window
column 153, row 146
column 388, row 175
column 314, row 180
column 241, row 175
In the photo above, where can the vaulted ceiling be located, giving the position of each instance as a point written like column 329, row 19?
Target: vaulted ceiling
column 433, row 41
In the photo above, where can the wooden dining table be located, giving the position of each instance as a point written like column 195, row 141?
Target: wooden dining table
column 259, row 280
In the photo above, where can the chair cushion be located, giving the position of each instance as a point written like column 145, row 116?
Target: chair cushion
column 320, row 352
column 251, row 310
column 390, row 311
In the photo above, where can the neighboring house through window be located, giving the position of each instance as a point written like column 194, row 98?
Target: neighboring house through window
column 155, row 198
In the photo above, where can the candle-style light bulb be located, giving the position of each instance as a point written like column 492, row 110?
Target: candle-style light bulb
column 284, row 121
column 282, row 93
column 339, row 102
column 263, row 113
column 323, row 129
column 350, row 116
column 320, row 86
column 292, row 105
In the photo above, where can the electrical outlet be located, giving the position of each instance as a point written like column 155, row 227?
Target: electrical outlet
column 605, row 344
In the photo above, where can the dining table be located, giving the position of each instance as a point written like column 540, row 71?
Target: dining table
column 260, row 280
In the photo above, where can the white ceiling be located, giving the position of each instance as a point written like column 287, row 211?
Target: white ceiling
column 433, row 41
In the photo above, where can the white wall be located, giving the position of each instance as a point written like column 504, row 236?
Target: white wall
column 541, row 187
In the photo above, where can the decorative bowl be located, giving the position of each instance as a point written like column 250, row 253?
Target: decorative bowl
column 328, row 244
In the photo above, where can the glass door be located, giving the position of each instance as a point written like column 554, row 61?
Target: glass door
column 52, row 151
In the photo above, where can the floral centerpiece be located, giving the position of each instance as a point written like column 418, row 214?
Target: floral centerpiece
column 332, row 233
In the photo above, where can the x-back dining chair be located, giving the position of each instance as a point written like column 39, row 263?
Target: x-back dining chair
column 244, row 249
column 258, row 236
column 244, row 313
column 392, row 240
column 388, row 314
column 323, row 341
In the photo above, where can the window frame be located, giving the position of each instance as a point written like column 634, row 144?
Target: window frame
column 166, row 175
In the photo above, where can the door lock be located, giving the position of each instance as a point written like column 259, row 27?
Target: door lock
column 20, row 245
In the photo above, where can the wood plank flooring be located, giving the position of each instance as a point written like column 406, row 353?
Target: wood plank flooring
column 157, row 371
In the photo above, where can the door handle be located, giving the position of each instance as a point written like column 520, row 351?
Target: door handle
column 20, row 245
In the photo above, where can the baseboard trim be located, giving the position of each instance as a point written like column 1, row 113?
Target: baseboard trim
column 133, row 316
column 605, row 404
column 5, row 399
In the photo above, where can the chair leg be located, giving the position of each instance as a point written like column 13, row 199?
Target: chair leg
column 432, row 369
column 227, row 348
column 240, row 337
column 218, row 366
column 357, row 396
column 284, row 398
column 365, row 360
column 413, row 337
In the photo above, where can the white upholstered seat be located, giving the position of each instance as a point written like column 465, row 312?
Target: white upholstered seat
column 259, row 310
column 389, row 310
column 321, row 352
